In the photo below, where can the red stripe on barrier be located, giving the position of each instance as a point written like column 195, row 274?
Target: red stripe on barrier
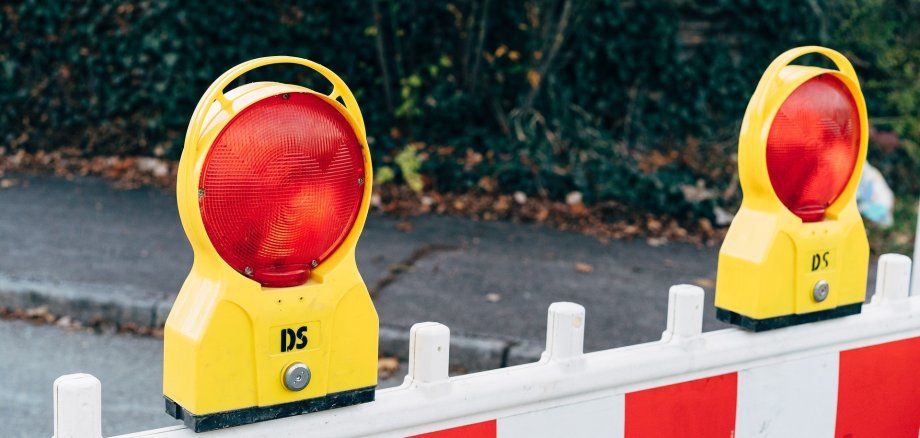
column 699, row 408
column 879, row 391
column 486, row 429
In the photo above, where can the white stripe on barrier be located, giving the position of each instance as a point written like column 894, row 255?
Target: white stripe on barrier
column 785, row 382
column 601, row 417
column 789, row 399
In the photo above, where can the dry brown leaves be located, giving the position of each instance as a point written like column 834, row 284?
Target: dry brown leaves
column 493, row 297
column 125, row 172
column 605, row 221
column 42, row 316
column 387, row 367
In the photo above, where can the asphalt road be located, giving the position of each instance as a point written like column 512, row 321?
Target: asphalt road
column 130, row 368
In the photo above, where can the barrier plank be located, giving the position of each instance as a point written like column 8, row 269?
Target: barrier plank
column 699, row 408
column 879, row 391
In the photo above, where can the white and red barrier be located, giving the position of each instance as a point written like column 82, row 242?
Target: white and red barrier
column 849, row 377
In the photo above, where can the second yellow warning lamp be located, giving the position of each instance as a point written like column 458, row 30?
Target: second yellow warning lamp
column 797, row 251
column 274, row 319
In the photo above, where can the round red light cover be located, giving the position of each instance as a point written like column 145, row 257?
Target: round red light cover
column 813, row 146
column 281, row 187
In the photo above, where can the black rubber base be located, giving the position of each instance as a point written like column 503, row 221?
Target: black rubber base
column 221, row 420
column 759, row 325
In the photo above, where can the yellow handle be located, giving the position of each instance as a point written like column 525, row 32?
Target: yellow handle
column 215, row 93
column 772, row 72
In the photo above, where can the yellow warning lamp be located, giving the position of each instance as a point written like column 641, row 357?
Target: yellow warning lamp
column 274, row 319
column 797, row 251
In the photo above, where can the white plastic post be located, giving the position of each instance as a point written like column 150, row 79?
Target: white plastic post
column 429, row 352
column 685, row 312
column 565, row 331
column 77, row 406
column 893, row 280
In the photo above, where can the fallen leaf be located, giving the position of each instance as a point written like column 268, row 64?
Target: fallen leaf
column 37, row 312
column 40, row 313
column 578, row 209
column 493, row 297
column 387, row 366
column 705, row 226
column 542, row 214
column 502, row 204
column 488, row 184
column 584, row 268
column 405, row 227
column 704, row 282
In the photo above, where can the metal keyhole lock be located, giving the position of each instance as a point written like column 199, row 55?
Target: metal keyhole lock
column 296, row 376
column 822, row 289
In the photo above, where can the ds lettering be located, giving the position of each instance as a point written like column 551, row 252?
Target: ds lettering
column 819, row 261
column 291, row 340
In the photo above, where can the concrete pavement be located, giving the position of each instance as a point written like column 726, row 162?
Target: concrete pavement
column 88, row 250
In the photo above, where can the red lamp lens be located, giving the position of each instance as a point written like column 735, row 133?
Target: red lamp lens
column 281, row 187
column 813, row 146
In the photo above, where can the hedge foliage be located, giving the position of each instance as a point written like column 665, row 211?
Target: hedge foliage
column 634, row 101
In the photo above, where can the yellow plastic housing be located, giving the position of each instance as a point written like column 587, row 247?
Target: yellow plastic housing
column 222, row 337
column 766, row 267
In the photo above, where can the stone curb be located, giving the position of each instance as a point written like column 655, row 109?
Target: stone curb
column 83, row 302
column 87, row 302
